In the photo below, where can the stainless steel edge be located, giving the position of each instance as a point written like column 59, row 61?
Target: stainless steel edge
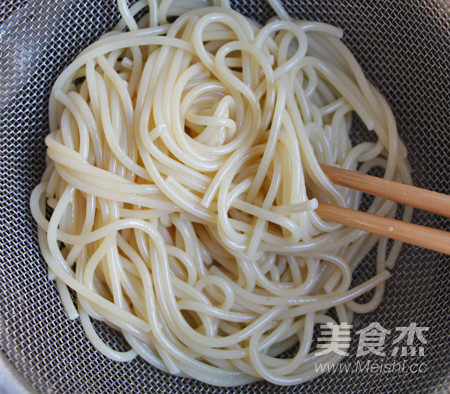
column 11, row 382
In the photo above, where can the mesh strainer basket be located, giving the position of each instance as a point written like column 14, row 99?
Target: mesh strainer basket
column 403, row 46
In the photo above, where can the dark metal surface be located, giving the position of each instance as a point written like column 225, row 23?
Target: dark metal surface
column 404, row 47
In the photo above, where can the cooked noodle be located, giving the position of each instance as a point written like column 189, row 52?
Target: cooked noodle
column 183, row 180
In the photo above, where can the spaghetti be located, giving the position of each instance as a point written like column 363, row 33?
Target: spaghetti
column 183, row 180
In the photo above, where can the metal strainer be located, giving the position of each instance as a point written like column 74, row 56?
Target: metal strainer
column 404, row 48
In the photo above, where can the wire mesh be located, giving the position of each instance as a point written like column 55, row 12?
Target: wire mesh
column 403, row 47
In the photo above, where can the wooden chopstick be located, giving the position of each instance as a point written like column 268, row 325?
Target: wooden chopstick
column 405, row 194
column 415, row 234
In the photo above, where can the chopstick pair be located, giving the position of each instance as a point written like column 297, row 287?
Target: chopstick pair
column 430, row 238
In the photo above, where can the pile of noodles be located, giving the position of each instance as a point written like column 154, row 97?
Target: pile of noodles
column 183, row 179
